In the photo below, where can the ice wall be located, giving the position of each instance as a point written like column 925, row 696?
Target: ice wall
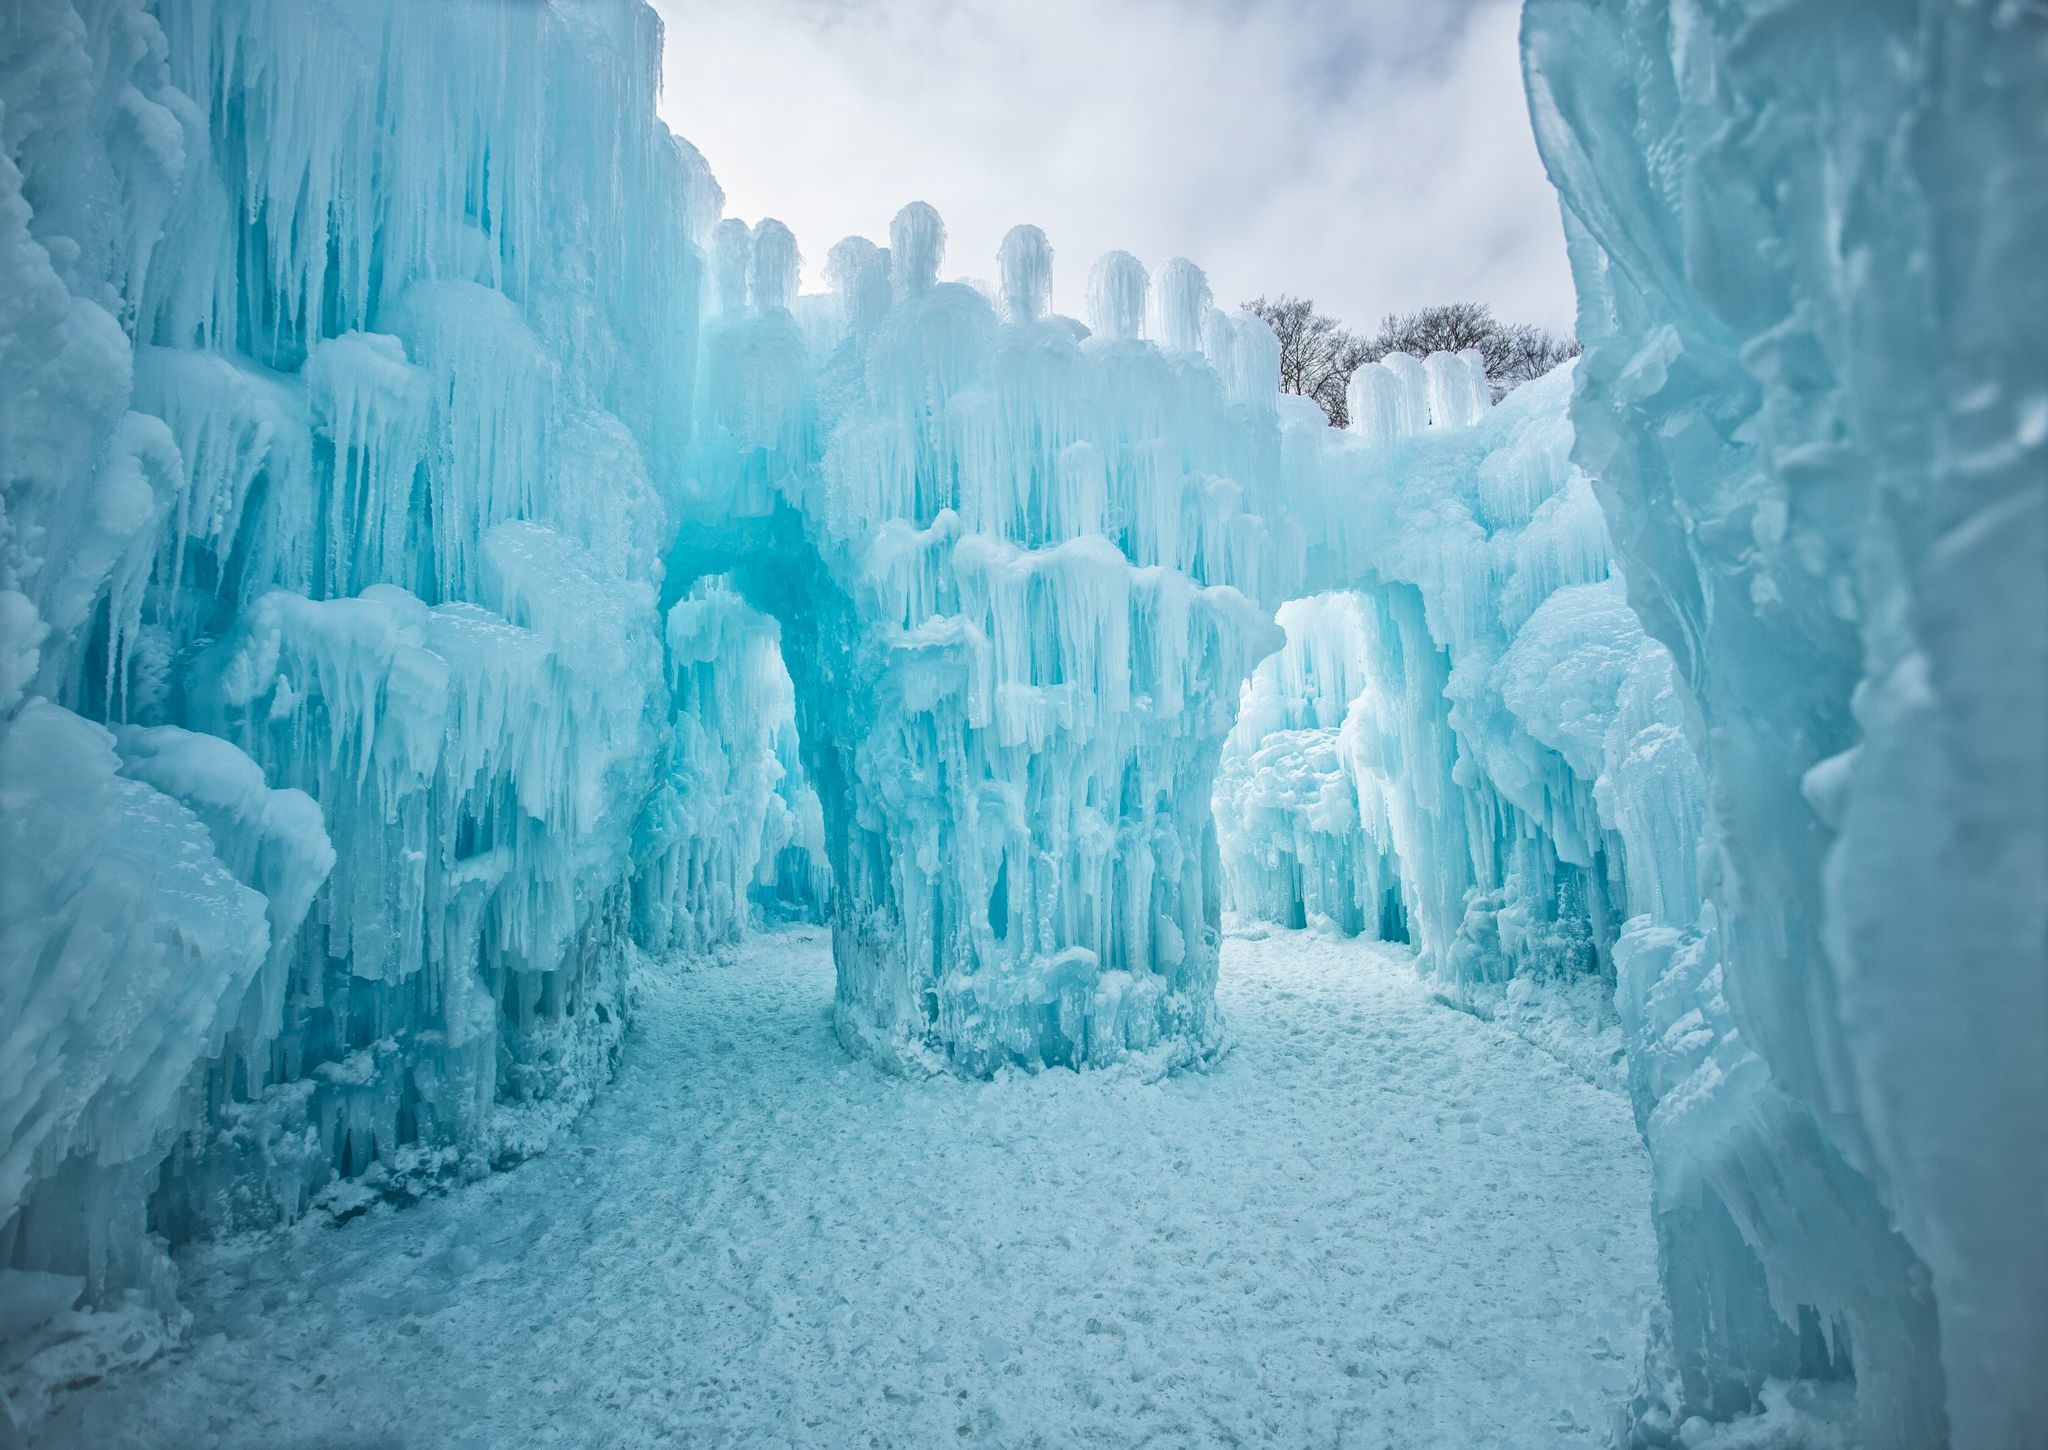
column 1426, row 756
column 1814, row 397
column 735, row 832
column 1303, row 825
column 340, row 349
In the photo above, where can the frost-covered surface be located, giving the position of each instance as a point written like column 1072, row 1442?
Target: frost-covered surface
column 1375, row 1221
column 1814, row 396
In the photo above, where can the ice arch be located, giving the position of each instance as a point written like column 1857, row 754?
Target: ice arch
column 1025, row 567
column 1021, row 583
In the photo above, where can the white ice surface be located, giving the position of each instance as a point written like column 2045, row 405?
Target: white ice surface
column 1376, row 1221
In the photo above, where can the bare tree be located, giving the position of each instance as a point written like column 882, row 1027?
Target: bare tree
column 1317, row 356
column 1514, row 352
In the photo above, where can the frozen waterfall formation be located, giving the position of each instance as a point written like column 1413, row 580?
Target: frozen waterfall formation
column 440, row 559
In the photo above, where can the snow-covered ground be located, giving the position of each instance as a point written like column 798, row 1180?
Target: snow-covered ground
column 1377, row 1222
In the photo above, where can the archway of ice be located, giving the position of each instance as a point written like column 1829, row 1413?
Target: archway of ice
column 1024, row 578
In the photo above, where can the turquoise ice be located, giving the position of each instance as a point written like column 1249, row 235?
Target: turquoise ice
column 445, row 564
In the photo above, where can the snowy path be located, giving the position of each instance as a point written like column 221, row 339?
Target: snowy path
column 1378, row 1222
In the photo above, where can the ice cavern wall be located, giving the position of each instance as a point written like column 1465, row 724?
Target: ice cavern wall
column 342, row 349
column 441, row 559
column 1815, row 401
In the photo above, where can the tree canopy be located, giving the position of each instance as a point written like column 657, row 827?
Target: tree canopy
column 1515, row 352
column 1318, row 354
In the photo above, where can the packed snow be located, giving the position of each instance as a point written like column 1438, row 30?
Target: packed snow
column 1375, row 1221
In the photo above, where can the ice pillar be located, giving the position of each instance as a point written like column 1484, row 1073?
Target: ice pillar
column 1017, row 653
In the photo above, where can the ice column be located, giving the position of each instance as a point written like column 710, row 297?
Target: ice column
column 1017, row 650
column 1117, row 287
column 1181, row 305
column 1025, row 261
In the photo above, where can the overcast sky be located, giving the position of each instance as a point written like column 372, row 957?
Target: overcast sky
column 1372, row 154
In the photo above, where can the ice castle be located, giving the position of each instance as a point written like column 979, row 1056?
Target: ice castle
column 443, row 562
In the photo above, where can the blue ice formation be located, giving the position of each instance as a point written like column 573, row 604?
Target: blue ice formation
column 1018, row 584
column 1806, row 244
column 441, row 559
column 1433, row 756
column 338, row 712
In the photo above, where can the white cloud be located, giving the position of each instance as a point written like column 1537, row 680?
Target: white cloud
column 1374, row 155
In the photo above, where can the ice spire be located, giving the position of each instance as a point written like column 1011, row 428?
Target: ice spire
column 732, row 259
column 857, row 271
column 773, row 266
column 1025, row 262
column 1180, row 303
column 917, row 244
column 1116, row 296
